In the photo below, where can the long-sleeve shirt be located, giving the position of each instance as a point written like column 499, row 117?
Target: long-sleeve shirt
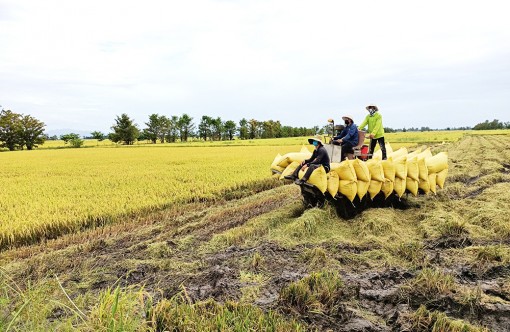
column 349, row 134
column 319, row 157
column 374, row 125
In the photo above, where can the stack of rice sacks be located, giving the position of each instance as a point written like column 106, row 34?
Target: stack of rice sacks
column 401, row 172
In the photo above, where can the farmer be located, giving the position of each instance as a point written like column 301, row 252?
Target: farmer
column 348, row 138
column 319, row 157
column 375, row 129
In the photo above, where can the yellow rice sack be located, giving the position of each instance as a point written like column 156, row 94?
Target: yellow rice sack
column 345, row 170
column 276, row 161
column 441, row 178
column 376, row 170
column 437, row 163
column 399, row 153
column 432, row 182
column 389, row 170
column 412, row 186
column 423, row 172
column 361, row 169
column 318, row 178
column 348, row 188
column 304, row 149
column 424, row 185
column 425, row 154
column 400, row 186
column 378, row 154
column 387, row 188
column 362, row 188
column 293, row 156
column 374, row 188
column 333, row 183
column 400, row 167
column 415, row 153
column 413, row 171
column 289, row 169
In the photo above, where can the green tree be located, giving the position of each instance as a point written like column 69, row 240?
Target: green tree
column 172, row 130
column 243, row 129
column 185, row 126
column 217, row 128
column 98, row 135
column 253, row 128
column 204, row 127
column 68, row 137
column 165, row 124
column 230, row 129
column 124, row 130
column 154, row 127
column 31, row 132
column 10, row 128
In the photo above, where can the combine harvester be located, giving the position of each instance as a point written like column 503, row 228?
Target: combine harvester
column 365, row 181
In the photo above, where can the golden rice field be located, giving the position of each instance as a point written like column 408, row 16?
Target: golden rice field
column 48, row 192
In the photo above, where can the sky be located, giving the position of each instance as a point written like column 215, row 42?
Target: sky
column 79, row 64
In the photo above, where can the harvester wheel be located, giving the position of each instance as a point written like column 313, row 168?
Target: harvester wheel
column 344, row 208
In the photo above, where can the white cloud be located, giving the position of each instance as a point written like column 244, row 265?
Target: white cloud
column 79, row 63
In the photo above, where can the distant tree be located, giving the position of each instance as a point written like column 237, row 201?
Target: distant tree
column 165, row 125
column 76, row 142
column 53, row 138
column 98, row 135
column 172, row 129
column 204, row 127
column 230, row 129
column 124, row 130
column 489, row 125
column 252, row 128
column 185, row 126
column 10, row 128
column 68, row 137
column 217, row 128
column 243, row 129
column 154, row 127
column 31, row 132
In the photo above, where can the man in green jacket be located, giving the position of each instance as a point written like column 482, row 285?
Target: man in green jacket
column 375, row 129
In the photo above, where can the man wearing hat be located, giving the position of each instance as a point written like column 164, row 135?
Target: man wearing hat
column 375, row 129
column 319, row 158
column 348, row 138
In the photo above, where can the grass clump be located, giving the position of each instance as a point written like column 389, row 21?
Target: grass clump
column 410, row 251
column 320, row 292
column 179, row 314
column 120, row 310
column 251, row 284
column 428, row 285
column 315, row 257
column 423, row 320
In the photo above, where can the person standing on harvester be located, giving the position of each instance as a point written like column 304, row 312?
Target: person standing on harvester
column 319, row 158
column 375, row 129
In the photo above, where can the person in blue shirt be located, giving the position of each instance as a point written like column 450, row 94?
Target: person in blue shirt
column 348, row 138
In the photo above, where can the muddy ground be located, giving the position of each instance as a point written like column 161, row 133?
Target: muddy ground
column 168, row 251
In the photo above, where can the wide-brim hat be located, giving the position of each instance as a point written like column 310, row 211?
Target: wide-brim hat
column 372, row 106
column 345, row 117
column 315, row 138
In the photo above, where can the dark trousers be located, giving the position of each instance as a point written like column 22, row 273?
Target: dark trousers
column 373, row 142
column 309, row 170
column 347, row 148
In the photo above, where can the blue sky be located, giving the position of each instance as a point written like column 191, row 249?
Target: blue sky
column 78, row 64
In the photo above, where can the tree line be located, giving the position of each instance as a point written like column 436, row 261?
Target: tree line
column 170, row 129
column 490, row 125
column 19, row 131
